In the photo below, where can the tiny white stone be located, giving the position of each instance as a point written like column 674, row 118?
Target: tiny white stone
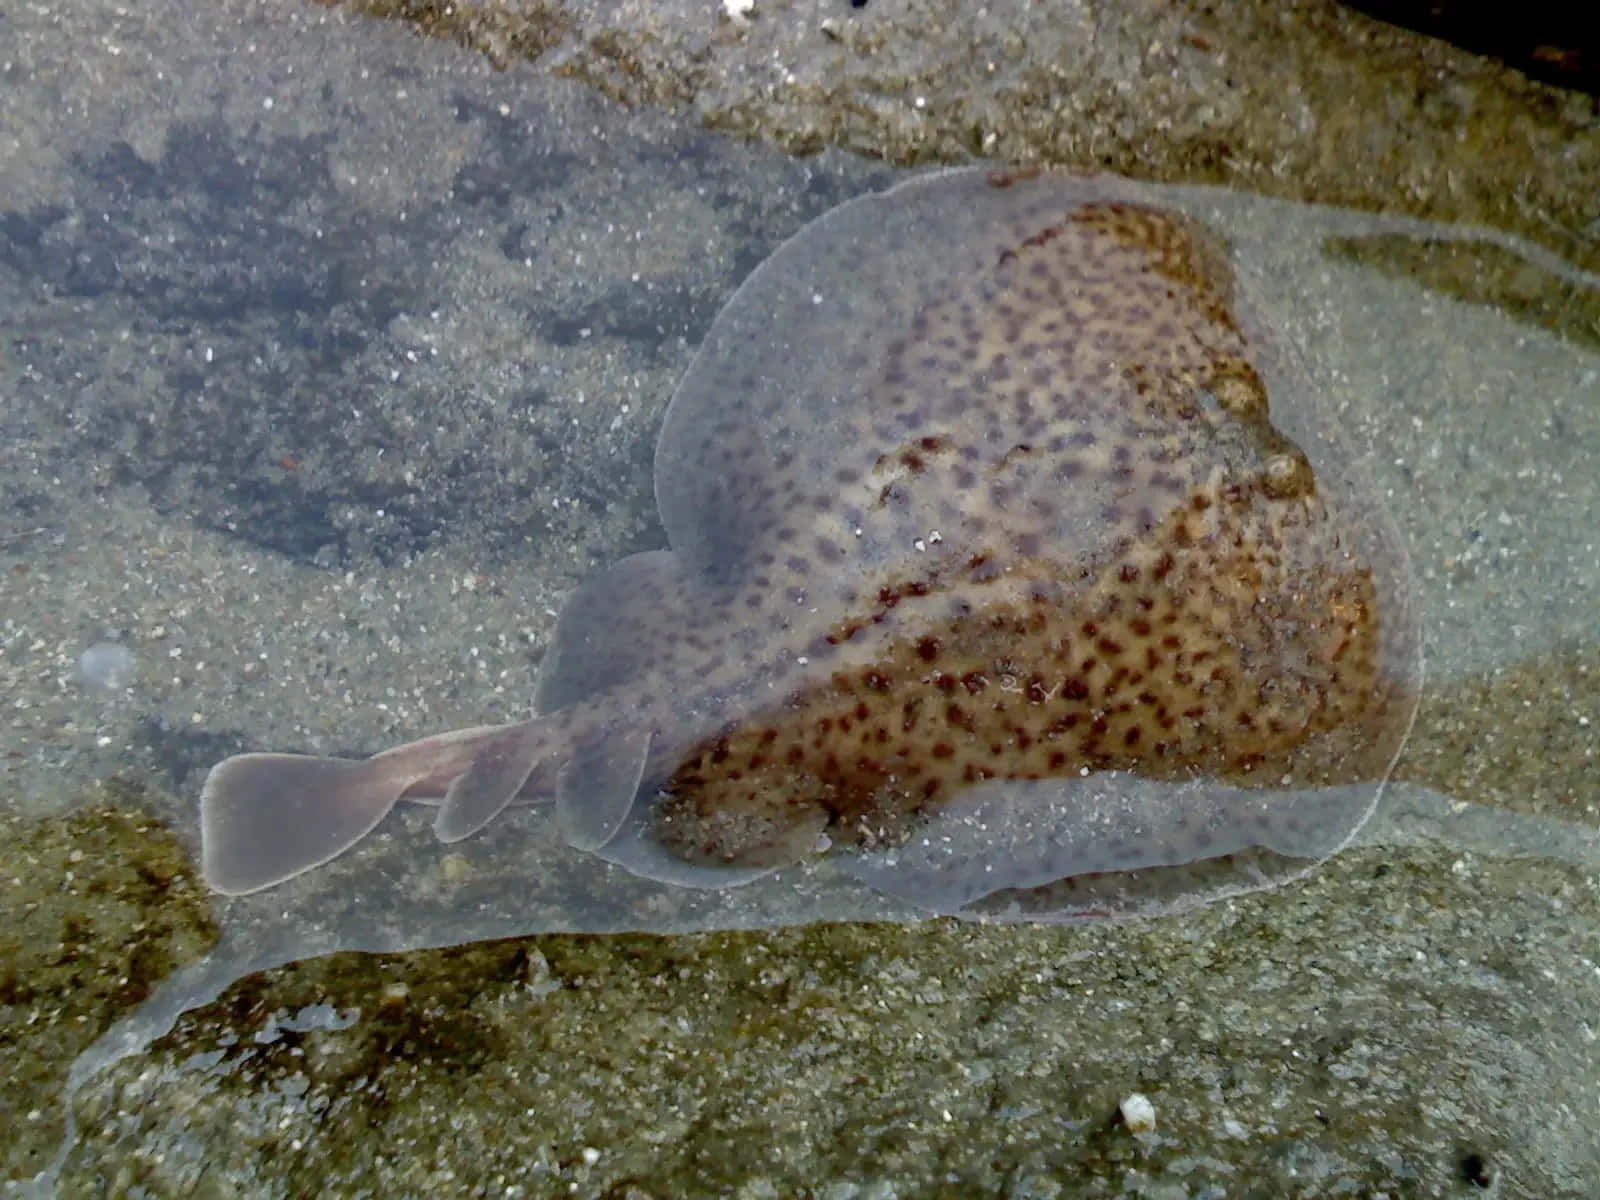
column 1138, row 1114
column 738, row 10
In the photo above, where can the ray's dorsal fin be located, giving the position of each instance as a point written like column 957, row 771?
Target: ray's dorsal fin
column 499, row 768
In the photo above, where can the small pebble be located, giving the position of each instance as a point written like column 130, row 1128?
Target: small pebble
column 1138, row 1114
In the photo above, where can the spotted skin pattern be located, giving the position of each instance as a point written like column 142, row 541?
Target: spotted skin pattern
column 1213, row 625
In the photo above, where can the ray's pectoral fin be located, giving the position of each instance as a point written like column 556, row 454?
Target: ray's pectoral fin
column 265, row 818
column 597, row 788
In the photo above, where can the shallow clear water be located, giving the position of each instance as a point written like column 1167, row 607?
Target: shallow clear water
column 1016, row 566
column 326, row 442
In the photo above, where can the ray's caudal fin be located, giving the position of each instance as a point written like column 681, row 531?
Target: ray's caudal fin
column 265, row 818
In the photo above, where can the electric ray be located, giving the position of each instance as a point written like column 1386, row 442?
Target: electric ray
column 1015, row 567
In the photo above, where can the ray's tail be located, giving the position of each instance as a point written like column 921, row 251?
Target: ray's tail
column 265, row 818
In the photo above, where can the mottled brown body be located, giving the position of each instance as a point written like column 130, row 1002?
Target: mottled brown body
column 1210, row 626
column 1153, row 668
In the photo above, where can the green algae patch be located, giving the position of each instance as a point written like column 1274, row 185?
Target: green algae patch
column 1329, row 106
column 1521, row 738
column 99, row 908
column 1481, row 273
column 500, row 35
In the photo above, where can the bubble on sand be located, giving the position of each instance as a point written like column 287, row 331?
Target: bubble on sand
column 107, row 667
